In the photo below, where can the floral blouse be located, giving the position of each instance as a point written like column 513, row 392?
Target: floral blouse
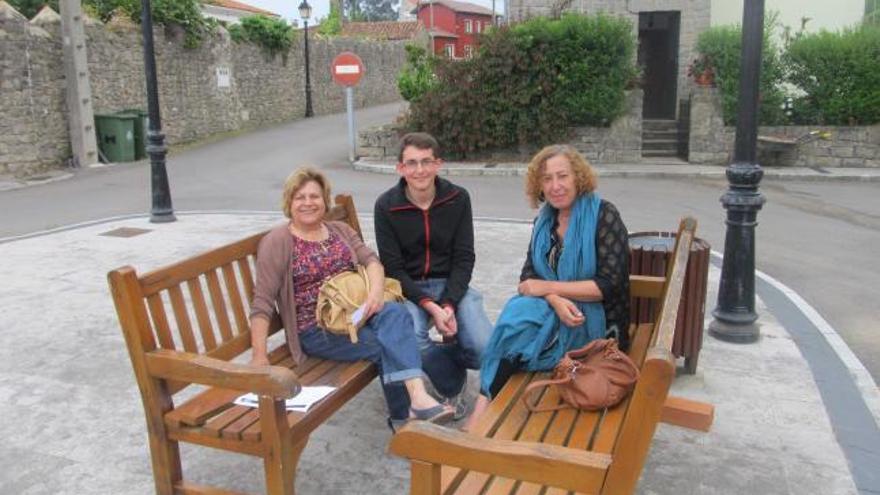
column 315, row 261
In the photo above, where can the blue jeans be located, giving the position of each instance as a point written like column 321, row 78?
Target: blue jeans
column 387, row 341
column 447, row 364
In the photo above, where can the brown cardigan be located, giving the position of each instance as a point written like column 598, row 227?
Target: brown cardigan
column 274, row 284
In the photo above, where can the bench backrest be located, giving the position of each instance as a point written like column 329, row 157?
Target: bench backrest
column 645, row 407
column 198, row 305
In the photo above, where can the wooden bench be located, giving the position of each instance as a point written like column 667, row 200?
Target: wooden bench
column 184, row 324
column 515, row 451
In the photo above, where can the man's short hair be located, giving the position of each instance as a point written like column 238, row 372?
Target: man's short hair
column 420, row 140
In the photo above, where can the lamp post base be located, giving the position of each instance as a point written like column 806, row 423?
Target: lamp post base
column 738, row 333
column 163, row 217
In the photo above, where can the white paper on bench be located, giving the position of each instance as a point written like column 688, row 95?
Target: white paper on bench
column 305, row 399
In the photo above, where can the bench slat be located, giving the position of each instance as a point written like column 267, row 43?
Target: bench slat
column 221, row 316
column 247, row 277
column 241, row 321
column 160, row 322
column 184, row 326
column 206, row 329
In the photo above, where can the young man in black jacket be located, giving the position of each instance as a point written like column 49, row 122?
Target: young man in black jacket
column 425, row 234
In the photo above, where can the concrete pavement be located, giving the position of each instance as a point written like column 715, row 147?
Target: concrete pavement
column 73, row 421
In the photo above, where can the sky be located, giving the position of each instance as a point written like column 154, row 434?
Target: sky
column 320, row 8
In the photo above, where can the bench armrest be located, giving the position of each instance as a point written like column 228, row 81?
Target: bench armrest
column 276, row 381
column 562, row 467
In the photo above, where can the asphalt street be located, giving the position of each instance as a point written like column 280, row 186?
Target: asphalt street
column 818, row 238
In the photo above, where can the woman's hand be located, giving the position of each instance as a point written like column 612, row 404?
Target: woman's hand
column 566, row 310
column 534, row 287
column 374, row 303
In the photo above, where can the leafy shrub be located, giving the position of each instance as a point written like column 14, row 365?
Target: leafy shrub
column 839, row 74
column 185, row 13
column 274, row 35
column 332, row 25
column 723, row 46
column 529, row 83
column 417, row 76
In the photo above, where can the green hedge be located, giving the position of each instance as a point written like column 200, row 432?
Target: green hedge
column 274, row 35
column 723, row 46
column 839, row 74
column 527, row 84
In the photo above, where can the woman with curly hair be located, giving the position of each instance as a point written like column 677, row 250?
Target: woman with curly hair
column 574, row 285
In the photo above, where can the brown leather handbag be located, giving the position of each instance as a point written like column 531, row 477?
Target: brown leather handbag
column 591, row 378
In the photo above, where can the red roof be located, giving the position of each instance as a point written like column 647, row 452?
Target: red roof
column 385, row 30
column 232, row 4
column 462, row 7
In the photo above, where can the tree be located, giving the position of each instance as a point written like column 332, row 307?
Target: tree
column 371, row 10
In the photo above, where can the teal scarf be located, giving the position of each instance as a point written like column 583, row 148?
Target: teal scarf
column 527, row 324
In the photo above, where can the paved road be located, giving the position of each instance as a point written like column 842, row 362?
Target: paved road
column 818, row 238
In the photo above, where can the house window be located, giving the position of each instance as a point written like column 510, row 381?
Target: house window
column 467, row 26
column 477, row 26
column 468, row 51
column 450, row 50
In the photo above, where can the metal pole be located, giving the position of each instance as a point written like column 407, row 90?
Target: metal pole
column 735, row 316
column 161, row 211
column 309, row 112
column 349, row 105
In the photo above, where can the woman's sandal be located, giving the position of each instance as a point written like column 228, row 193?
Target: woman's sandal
column 438, row 414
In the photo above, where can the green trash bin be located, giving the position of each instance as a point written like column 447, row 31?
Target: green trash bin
column 115, row 135
column 140, row 130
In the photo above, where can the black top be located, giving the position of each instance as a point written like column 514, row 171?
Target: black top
column 612, row 269
column 416, row 244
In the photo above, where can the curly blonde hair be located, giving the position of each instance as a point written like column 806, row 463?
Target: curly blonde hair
column 584, row 176
column 297, row 180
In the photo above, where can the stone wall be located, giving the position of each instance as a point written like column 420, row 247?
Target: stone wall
column 261, row 90
column 711, row 142
column 619, row 143
column 695, row 18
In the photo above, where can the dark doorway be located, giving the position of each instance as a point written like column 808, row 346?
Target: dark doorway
column 658, row 58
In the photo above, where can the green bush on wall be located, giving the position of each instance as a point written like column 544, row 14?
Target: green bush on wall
column 839, row 74
column 527, row 84
column 274, row 35
column 723, row 47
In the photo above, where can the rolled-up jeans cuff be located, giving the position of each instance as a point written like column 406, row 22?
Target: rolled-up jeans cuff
column 402, row 375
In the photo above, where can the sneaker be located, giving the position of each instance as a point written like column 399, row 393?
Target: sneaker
column 458, row 405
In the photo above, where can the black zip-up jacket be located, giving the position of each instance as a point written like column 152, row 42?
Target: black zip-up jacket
column 416, row 244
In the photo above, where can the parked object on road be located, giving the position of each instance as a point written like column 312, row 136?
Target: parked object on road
column 154, row 332
column 512, row 449
column 116, row 139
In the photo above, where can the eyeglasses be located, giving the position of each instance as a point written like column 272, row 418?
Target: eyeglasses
column 424, row 162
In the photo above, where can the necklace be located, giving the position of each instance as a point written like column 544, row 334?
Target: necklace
column 319, row 235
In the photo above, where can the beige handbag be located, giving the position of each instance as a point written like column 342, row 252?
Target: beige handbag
column 340, row 297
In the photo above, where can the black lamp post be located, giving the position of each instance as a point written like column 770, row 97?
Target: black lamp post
column 305, row 11
column 161, row 211
column 735, row 315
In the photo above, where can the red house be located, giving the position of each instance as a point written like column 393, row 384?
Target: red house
column 454, row 26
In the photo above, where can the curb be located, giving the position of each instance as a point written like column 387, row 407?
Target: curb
column 639, row 171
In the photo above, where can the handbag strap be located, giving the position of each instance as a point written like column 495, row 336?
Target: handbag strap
column 531, row 406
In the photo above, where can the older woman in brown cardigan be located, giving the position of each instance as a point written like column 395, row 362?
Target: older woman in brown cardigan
column 295, row 258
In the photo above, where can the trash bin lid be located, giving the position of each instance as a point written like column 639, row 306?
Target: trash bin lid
column 652, row 242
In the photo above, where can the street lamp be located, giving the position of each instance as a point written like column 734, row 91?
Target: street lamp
column 161, row 211
column 735, row 315
column 305, row 11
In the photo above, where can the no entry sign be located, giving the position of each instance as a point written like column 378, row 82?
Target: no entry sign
column 347, row 69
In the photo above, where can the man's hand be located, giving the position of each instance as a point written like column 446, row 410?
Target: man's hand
column 534, row 287
column 444, row 319
column 566, row 310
